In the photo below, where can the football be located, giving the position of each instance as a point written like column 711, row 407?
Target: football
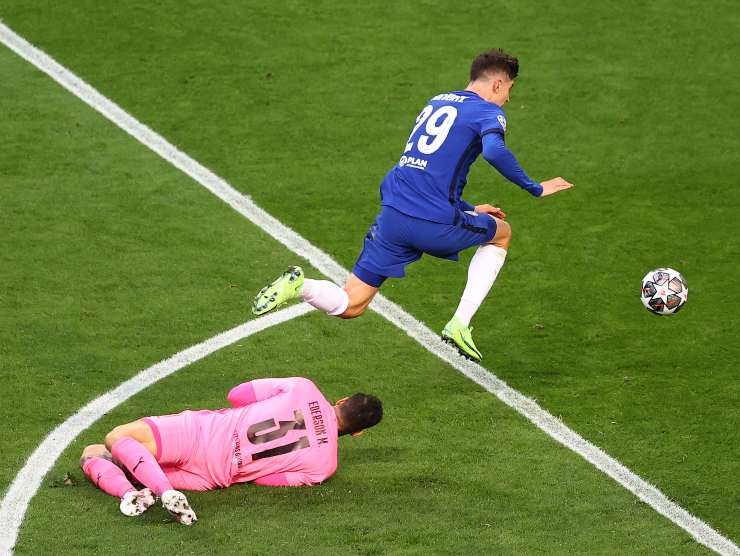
column 664, row 291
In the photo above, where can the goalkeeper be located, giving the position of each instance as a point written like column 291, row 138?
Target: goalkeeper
column 278, row 432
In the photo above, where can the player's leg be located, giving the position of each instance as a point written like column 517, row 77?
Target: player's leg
column 482, row 272
column 347, row 302
column 384, row 255
column 135, row 446
column 326, row 296
column 359, row 294
column 97, row 463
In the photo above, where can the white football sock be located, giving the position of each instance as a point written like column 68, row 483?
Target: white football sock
column 325, row 296
column 482, row 272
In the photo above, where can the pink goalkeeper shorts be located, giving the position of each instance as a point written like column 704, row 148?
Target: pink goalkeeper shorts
column 179, row 451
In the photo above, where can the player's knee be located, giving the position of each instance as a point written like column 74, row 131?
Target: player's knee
column 92, row 451
column 353, row 312
column 115, row 435
column 505, row 230
column 358, row 301
column 503, row 235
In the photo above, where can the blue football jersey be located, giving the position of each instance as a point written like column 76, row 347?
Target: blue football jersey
column 430, row 176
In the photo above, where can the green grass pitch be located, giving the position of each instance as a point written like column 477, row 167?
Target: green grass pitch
column 111, row 260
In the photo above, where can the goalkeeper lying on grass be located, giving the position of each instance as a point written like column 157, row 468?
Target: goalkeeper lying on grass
column 278, row 432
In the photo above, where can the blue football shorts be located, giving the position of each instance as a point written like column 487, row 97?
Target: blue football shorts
column 396, row 240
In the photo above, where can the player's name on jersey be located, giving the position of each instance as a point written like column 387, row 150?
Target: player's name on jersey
column 451, row 97
column 413, row 162
column 319, row 428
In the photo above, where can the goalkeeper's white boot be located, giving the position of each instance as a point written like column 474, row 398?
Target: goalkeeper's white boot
column 136, row 502
column 177, row 504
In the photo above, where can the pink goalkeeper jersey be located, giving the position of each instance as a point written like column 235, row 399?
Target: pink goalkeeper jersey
column 282, row 431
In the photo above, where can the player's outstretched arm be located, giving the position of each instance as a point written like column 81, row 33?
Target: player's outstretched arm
column 501, row 158
column 554, row 185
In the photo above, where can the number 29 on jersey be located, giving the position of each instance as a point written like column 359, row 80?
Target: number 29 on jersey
column 437, row 124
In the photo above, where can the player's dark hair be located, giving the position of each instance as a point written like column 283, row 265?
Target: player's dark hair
column 360, row 412
column 493, row 61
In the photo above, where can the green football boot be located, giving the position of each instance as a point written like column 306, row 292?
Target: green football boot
column 459, row 335
column 286, row 287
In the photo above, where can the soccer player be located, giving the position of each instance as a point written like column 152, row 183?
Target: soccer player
column 278, row 432
column 422, row 210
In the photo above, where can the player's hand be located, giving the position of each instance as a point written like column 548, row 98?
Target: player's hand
column 554, row 185
column 490, row 209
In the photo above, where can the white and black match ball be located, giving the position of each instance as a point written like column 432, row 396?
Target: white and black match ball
column 664, row 291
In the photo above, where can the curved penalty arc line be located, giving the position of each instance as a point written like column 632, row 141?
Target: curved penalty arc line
column 28, row 480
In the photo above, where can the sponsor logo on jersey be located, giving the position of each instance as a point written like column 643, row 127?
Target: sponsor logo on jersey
column 236, row 451
column 502, row 121
column 413, row 162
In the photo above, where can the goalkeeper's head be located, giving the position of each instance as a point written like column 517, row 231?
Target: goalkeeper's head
column 357, row 413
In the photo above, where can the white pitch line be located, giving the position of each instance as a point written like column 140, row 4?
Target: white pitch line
column 28, row 480
column 320, row 260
